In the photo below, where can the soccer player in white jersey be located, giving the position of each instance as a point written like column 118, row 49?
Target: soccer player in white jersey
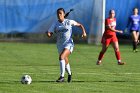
column 63, row 30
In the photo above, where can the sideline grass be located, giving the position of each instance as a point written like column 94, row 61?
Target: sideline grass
column 40, row 61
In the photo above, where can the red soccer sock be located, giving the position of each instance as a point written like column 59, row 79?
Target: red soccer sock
column 117, row 53
column 101, row 55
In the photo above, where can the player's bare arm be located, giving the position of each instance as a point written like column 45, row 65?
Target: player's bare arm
column 84, row 35
column 114, row 30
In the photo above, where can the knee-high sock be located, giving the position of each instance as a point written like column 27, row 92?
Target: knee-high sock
column 134, row 45
column 68, row 68
column 118, row 56
column 101, row 55
column 62, row 68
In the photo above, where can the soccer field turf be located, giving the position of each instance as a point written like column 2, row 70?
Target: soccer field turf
column 40, row 61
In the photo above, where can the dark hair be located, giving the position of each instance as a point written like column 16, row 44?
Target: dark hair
column 62, row 9
column 135, row 8
column 111, row 11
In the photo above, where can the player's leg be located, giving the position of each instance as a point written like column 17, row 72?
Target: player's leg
column 137, row 37
column 105, row 43
column 67, row 66
column 101, row 55
column 68, row 69
column 65, row 53
column 117, row 52
column 134, row 40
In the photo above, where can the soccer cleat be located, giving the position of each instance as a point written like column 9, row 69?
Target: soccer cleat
column 69, row 78
column 136, row 50
column 60, row 79
column 98, row 63
column 121, row 63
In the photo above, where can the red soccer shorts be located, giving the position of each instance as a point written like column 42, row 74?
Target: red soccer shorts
column 107, row 39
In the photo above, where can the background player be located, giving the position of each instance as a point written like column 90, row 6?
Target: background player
column 109, row 37
column 134, row 20
column 63, row 30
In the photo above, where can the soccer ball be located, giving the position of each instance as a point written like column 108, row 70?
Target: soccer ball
column 26, row 79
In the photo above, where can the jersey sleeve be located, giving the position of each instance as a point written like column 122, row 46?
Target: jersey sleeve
column 73, row 23
column 52, row 28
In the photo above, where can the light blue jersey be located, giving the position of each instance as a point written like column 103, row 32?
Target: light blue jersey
column 64, row 34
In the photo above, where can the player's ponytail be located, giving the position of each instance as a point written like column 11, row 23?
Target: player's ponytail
column 66, row 15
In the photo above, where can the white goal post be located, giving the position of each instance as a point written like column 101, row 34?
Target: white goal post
column 98, row 22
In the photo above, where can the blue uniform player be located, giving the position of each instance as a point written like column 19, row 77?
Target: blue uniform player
column 134, row 20
column 63, row 30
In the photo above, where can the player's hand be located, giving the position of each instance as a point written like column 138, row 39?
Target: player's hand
column 84, row 35
column 49, row 34
column 120, row 31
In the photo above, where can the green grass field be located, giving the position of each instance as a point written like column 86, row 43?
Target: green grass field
column 40, row 61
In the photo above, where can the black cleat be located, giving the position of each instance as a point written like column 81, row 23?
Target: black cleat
column 69, row 78
column 121, row 63
column 60, row 79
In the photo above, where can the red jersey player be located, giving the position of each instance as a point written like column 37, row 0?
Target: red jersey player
column 109, row 37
